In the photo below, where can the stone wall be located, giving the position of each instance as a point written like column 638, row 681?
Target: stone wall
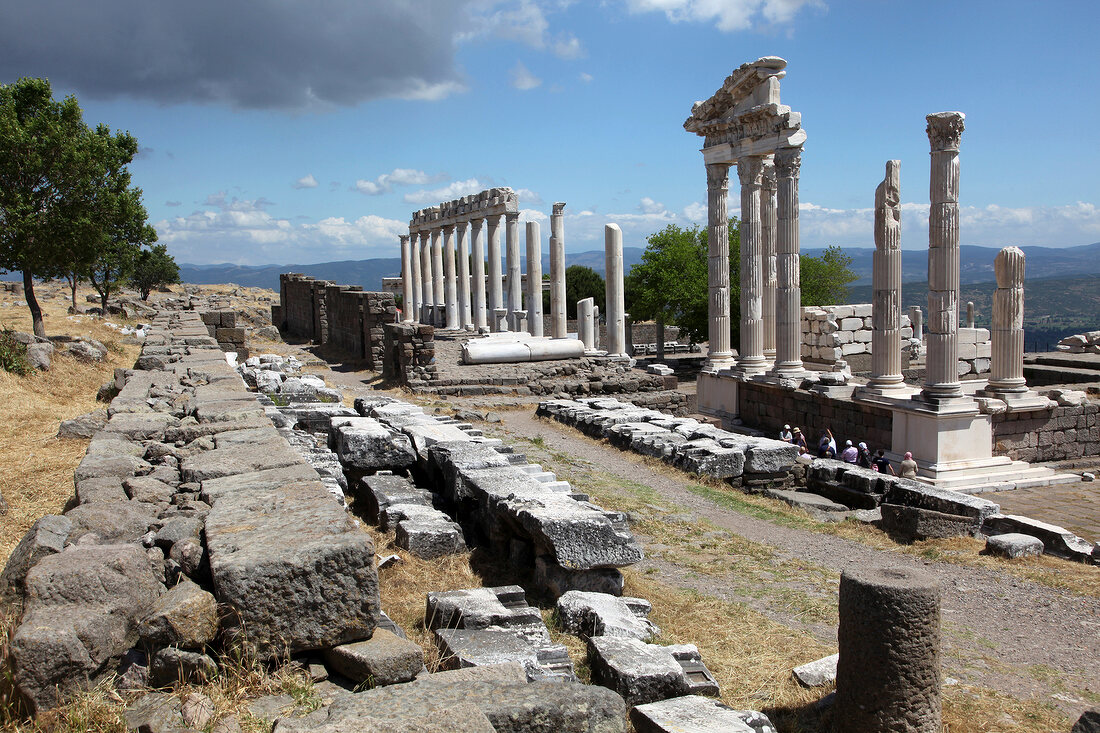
column 344, row 316
column 834, row 332
column 1057, row 433
column 222, row 326
column 769, row 407
column 408, row 352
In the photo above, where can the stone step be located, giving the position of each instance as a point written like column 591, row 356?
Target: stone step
column 1039, row 375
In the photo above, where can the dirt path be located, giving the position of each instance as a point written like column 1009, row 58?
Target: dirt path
column 1012, row 635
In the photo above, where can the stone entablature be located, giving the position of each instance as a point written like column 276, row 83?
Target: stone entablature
column 490, row 202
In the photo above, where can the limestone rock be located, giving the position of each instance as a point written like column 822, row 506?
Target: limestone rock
column 197, row 710
column 80, row 616
column 640, row 672
column 817, row 673
column 154, row 712
column 384, row 659
column 45, row 537
column 110, row 522
column 83, row 426
column 185, row 616
column 1014, row 544
column 1056, row 540
column 697, row 714
column 601, row 614
column 39, row 356
column 148, row 490
column 87, row 350
column 540, row 658
column 97, row 466
column 171, row 665
column 364, row 443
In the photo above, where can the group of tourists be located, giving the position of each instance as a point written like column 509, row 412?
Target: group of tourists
column 855, row 453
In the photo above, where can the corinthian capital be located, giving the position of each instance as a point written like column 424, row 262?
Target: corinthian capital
column 788, row 161
column 750, row 169
column 945, row 130
column 718, row 176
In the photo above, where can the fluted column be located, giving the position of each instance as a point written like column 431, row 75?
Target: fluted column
column 941, row 375
column 477, row 257
column 534, row 278
column 450, row 285
column 558, row 327
column 427, row 292
column 1006, row 373
column 462, row 269
column 750, row 170
column 614, row 301
column 788, row 290
column 410, row 278
column 515, row 274
column 719, row 353
column 439, row 294
column 886, row 284
column 496, row 295
column 767, row 244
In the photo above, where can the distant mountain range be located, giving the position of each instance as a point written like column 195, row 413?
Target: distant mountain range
column 976, row 266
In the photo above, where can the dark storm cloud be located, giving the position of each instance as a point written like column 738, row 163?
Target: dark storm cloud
column 286, row 54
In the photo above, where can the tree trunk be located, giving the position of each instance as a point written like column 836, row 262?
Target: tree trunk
column 32, row 303
column 103, row 295
column 72, row 287
column 660, row 338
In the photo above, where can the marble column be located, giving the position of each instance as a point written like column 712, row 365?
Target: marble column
column 719, row 353
column 1006, row 373
column 941, row 376
column 788, row 291
column 477, row 257
column 515, row 273
column 916, row 320
column 886, row 284
column 462, row 268
column 614, row 300
column 409, row 280
column 767, row 240
column 496, row 295
column 586, row 326
column 558, row 328
column 450, row 286
column 750, row 170
column 427, row 292
column 534, row 279
column 970, row 316
column 595, row 325
column 439, row 296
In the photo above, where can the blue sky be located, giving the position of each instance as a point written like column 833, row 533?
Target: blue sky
column 295, row 132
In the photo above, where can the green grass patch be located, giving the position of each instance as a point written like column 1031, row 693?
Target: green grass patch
column 737, row 502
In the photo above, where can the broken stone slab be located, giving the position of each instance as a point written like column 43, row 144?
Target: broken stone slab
column 364, row 443
column 430, row 538
column 425, row 435
column 511, row 707
column 640, row 672
column 601, row 614
column 383, row 490
column 553, row 580
column 1056, row 540
column 171, row 665
column 140, row 426
column 1014, row 544
column 45, row 537
column 98, row 466
column 453, row 460
column 480, row 647
column 805, row 500
column 80, row 616
column 913, row 523
column 697, row 714
column 257, row 481
column 817, row 673
column 295, row 570
column 912, row 493
column 392, row 514
column 83, row 426
column 185, row 616
column 384, row 659
column 481, row 608
column 707, row 457
column 148, row 490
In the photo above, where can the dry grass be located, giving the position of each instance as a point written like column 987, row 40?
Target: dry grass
column 35, row 465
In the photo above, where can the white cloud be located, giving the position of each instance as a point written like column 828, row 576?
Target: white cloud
column 363, row 231
column 696, row 213
column 397, row 177
column 586, row 77
column 528, row 196
column 568, row 46
column 521, row 78
column 532, row 215
column 727, row 15
column 649, row 206
column 307, row 181
column 521, row 21
column 447, row 193
column 173, row 203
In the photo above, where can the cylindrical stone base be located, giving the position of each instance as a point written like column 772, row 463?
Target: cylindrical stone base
column 888, row 676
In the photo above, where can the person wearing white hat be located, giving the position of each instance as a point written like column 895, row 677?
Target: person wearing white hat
column 850, row 454
column 785, row 434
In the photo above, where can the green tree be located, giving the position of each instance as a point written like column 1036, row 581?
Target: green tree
column 155, row 268
column 671, row 282
column 825, row 279
column 582, row 282
column 61, row 188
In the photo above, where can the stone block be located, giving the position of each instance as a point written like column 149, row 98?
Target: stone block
column 913, row 523
column 430, row 538
column 853, row 348
column 231, row 335
column 110, row 522
column 697, row 714
column 864, row 336
column 80, row 616
column 862, row 310
column 1056, row 540
column 554, row 580
column 384, row 659
column 233, row 459
column 540, row 659
column 916, row 494
column 479, row 608
column 601, row 614
column 363, row 443
column 851, row 324
column 293, row 568
column 171, row 665
column 1014, row 544
column 45, row 537
column 818, row 673
column 640, row 672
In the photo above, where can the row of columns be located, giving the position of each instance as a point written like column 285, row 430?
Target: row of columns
column 770, row 276
column 437, row 273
